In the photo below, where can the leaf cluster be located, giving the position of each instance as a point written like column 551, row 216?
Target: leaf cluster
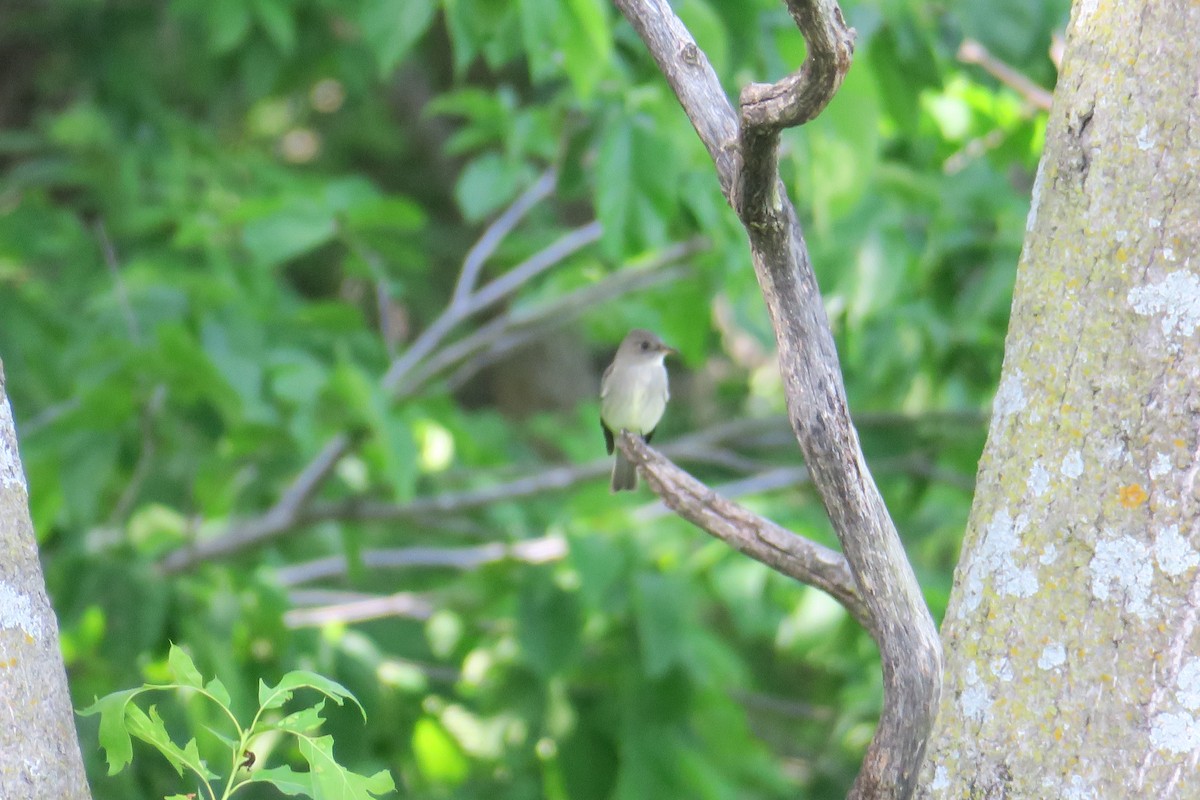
column 121, row 718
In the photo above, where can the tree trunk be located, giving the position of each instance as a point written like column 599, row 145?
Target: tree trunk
column 39, row 754
column 1073, row 656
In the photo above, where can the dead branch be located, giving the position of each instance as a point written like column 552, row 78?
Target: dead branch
column 743, row 147
column 745, row 531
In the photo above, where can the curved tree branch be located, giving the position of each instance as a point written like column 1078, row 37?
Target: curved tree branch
column 745, row 154
column 746, row 532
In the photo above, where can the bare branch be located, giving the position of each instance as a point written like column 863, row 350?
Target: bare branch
column 816, row 398
column 806, row 561
column 114, row 269
column 973, row 52
column 145, row 457
column 766, row 109
column 250, row 532
column 530, row 551
column 401, row 604
column 483, row 249
column 302, row 488
column 491, row 293
column 290, row 510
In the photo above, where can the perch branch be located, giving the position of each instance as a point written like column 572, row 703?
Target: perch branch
column 816, row 398
column 746, row 532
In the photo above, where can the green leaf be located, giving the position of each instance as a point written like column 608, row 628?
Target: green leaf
column 391, row 27
column 662, row 624
column 539, row 25
column 305, row 720
column 114, row 733
column 548, row 624
column 331, row 780
column 286, row 780
column 275, row 696
column 637, row 187
column 438, row 756
column 183, row 669
column 151, row 729
column 229, row 22
column 296, row 229
column 487, row 184
column 276, row 19
column 586, row 44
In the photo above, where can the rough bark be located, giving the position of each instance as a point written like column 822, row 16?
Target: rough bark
column 1071, row 638
column 39, row 754
column 743, row 145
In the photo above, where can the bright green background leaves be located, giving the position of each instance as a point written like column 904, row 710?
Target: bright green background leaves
column 220, row 221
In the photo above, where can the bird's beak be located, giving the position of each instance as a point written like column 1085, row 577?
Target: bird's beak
column 669, row 351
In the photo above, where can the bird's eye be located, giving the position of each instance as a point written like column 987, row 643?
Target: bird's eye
column 645, row 345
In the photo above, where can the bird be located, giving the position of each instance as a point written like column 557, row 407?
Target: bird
column 633, row 395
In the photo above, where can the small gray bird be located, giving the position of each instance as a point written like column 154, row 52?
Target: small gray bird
column 633, row 394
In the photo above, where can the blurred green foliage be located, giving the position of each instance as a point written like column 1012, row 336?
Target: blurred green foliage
column 221, row 221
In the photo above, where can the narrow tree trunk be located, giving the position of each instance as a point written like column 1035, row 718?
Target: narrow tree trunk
column 39, row 754
column 1072, row 649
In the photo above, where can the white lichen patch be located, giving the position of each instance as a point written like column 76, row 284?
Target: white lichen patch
column 1039, row 480
column 1049, row 554
column 974, row 700
column 1114, row 452
column 10, row 463
column 1173, row 552
column 1035, row 199
column 1175, row 732
column 1072, row 465
column 996, row 559
column 1053, row 655
column 16, row 612
column 1002, row 668
column 1144, row 139
column 1010, row 397
column 1078, row 789
column 941, row 778
column 1161, row 466
column 1176, row 298
column 1188, row 682
column 1122, row 567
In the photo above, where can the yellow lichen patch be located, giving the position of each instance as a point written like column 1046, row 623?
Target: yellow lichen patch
column 1132, row 495
column 1058, row 734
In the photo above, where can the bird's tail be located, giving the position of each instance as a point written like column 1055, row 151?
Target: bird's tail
column 624, row 474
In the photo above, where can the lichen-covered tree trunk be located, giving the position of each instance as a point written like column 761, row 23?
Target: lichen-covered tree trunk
column 1072, row 645
column 39, row 752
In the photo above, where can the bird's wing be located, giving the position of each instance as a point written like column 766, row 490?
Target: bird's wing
column 604, row 382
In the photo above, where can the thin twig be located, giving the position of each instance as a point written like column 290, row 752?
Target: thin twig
column 113, row 263
column 504, row 224
column 515, row 326
column 504, row 339
column 973, row 52
column 491, row 293
column 530, row 551
column 401, row 604
column 145, row 458
column 247, row 533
